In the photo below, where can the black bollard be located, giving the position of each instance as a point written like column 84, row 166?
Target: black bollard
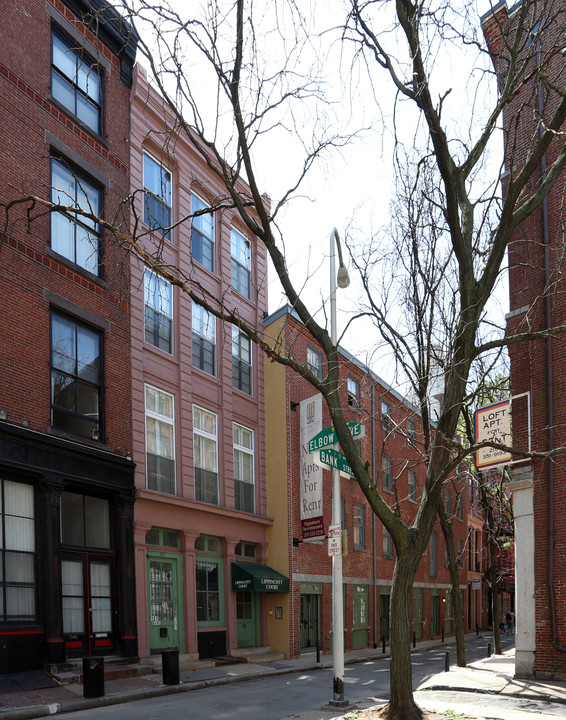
column 489, row 649
column 477, row 629
column 414, row 639
column 93, row 677
column 317, row 650
column 447, row 662
column 170, row 666
column 442, row 634
column 383, row 644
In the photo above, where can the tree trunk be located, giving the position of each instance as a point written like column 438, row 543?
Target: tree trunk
column 402, row 704
column 457, row 605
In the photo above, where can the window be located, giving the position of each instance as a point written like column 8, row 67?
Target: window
column 460, row 510
column 353, row 393
column 202, row 234
column 412, row 475
column 157, row 196
column 245, row 550
column 76, row 378
column 387, row 473
column 244, row 476
column 158, row 312
column 241, row 263
column 160, row 439
column 241, row 361
column 387, row 544
column 76, row 82
column 205, row 431
column 411, row 433
column 204, row 339
column 460, row 553
column 359, row 526
column 75, row 237
column 433, row 553
column 85, row 520
column 386, row 422
column 18, row 582
column 210, row 610
column 447, row 500
column 314, row 361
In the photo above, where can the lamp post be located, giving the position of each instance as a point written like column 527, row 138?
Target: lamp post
column 343, row 281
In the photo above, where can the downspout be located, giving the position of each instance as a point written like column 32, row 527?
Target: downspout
column 549, row 383
column 374, row 562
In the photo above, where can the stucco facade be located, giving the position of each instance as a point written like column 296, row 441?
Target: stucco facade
column 198, row 403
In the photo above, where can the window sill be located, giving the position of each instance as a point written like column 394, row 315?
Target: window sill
column 79, row 439
column 77, row 268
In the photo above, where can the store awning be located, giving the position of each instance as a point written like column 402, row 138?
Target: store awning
column 261, row 578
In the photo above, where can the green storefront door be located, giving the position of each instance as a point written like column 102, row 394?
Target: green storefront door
column 247, row 619
column 309, row 621
column 165, row 604
column 360, row 617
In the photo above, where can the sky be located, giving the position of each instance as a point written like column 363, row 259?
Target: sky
column 351, row 188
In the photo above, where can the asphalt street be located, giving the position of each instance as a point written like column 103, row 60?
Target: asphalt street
column 274, row 698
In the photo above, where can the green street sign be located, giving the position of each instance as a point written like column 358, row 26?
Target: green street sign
column 333, row 460
column 327, row 437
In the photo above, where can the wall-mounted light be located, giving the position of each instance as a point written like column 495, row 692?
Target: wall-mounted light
column 294, row 405
column 3, row 413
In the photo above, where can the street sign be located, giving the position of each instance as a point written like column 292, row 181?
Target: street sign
column 334, row 540
column 327, row 437
column 333, row 460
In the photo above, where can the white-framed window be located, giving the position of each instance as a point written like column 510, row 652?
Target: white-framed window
column 448, row 500
column 386, row 421
column 359, row 526
column 202, row 233
column 76, row 81
column 18, row 578
column 241, row 264
column 412, row 479
column 73, row 236
column 158, row 311
column 353, row 393
column 204, row 339
column 160, row 440
column 244, row 475
column 387, row 472
column 411, row 433
column 205, row 437
column 314, row 361
column 241, row 361
column 157, row 196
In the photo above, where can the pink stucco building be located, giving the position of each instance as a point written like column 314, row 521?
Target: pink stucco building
column 198, row 405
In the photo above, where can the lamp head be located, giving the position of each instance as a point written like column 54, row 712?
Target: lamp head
column 343, row 279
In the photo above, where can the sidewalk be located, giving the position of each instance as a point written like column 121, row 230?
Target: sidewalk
column 490, row 676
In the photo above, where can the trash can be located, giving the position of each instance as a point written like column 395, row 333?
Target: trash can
column 170, row 666
column 93, row 677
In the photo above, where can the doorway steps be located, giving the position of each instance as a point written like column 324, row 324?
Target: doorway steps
column 257, row 655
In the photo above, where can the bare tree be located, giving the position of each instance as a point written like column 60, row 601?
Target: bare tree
column 454, row 225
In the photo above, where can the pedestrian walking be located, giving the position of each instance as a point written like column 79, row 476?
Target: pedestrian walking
column 502, row 622
column 510, row 620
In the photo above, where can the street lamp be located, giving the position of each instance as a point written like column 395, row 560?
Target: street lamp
column 343, row 280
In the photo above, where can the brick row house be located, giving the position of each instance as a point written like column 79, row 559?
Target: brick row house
column 536, row 287
column 201, row 517
column 66, row 471
column 393, row 445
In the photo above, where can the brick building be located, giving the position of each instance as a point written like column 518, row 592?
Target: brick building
column 537, row 292
column 66, row 474
column 201, row 517
column 392, row 445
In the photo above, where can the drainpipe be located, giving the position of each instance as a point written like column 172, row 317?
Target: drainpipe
column 374, row 561
column 550, row 385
